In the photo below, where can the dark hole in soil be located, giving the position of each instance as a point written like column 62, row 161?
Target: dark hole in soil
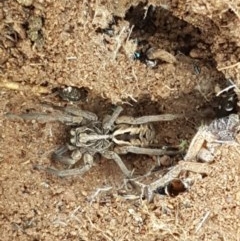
column 175, row 34
column 157, row 27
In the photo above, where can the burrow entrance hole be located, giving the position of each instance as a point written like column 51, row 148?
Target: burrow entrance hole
column 156, row 27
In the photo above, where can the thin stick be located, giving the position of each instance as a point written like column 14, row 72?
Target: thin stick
column 73, row 216
column 119, row 43
column 98, row 229
column 234, row 84
column 202, row 222
column 23, row 87
column 96, row 193
column 130, row 32
column 229, row 66
column 226, row 89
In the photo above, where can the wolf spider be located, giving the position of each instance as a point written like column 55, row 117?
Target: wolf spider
column 111, row 137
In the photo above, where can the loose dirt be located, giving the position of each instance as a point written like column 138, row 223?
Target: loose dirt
column 101, row 47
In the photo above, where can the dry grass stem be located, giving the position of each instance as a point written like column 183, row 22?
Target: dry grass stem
column 204, row 219
column 229, row 66
column 36, row 89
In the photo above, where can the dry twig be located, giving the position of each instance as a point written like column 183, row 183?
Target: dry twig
column 229, row 66
column 36, row 89
column 200, row 224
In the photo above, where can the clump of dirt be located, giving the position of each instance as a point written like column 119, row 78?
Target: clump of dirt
column 151, row 57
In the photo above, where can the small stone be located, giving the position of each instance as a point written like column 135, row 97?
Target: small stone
column 165, row 161
column 84, row 193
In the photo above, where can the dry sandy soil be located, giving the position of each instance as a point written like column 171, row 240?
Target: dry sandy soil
column 45, row 45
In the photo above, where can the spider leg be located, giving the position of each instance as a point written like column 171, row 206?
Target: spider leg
column 88, row 163
column 118, row 160
column 46, row 117
column 108, row 122
column 147, row 119
column 78, row 112
column 65, row 115
column 147, row 151
column 69, row 172
column 62, row 155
